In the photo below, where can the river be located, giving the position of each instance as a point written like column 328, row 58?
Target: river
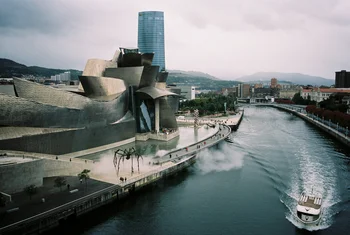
column 248, row 187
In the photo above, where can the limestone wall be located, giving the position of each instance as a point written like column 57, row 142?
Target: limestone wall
column 15, row 177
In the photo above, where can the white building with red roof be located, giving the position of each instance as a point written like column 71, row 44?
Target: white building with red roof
column 319, row 94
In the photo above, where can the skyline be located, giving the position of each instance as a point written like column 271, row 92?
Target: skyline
column 236, row 39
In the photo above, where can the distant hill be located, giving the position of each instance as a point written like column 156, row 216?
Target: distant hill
column 193, row 74
column 201, row 81
column 10, row 68
column 296, row 78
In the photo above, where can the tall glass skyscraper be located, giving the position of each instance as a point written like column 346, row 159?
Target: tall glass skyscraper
column 151, row 36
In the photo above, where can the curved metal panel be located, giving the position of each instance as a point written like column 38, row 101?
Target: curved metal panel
column 96, row 67
column 102, row 86
column 116, row 56
column 162, row 76
column 173, row 101
column 131, row 75
column 154, row 92
column 149, row 76
column 167, row 118
column 146, row 59
column 48, row 95
column 15, row 111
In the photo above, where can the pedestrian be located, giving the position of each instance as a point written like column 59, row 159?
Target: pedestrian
column 56, row 158
column 81, row 181
column 70, row 159
column 68, row 186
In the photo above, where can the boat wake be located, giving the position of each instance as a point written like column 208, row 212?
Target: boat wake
column 221, row 159
column 316, row 172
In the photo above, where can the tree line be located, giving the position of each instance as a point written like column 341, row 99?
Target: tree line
column 209, row 103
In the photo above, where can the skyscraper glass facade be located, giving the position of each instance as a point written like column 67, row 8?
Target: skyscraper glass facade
column 151, row 36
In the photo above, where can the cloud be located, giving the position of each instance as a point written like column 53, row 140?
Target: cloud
column 225, row 38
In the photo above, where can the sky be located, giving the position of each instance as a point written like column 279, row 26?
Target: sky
column 224, row 38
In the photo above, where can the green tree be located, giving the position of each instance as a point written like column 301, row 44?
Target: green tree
column 60, row 181
column 84, row 175
column 30, row 190
column 297, row 99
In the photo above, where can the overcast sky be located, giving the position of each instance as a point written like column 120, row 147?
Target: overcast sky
column 225, row 38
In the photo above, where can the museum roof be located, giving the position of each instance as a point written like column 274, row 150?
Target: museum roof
column 155, row 93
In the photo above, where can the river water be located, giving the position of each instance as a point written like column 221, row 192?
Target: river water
column 248, row 187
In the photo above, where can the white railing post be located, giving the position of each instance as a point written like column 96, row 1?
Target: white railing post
column 346, row 132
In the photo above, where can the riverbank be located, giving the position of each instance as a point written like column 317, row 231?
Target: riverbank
column 79, row 200
column 233, row 121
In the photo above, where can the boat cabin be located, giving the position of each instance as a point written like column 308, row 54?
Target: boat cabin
column 309, row 208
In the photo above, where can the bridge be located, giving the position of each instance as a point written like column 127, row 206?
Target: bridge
column 255, row 100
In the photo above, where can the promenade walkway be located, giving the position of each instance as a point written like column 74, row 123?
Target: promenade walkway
column 22, row 207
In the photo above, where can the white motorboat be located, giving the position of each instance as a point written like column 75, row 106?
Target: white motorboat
column 309, row 209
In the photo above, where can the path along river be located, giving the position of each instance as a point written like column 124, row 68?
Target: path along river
column 248, row 187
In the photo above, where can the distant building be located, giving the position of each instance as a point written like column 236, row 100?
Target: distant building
column 273, row 82
column 243, row 90
column 342, row 79
column 319, row 94
column 151, row 36
column 259, row 85
column 66, row 76
column 288, row 93
column 188, row 92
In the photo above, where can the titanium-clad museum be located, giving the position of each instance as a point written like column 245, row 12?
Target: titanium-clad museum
column 118, row 100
